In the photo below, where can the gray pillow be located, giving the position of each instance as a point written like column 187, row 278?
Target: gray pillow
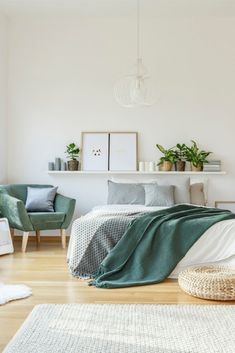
column 181, row 184
column 159, row 195
column 123, row 194
column 40, row 199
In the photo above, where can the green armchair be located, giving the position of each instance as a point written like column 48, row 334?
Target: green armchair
column 12, row 207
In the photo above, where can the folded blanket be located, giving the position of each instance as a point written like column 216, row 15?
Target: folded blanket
column 95, row 234
column 154, row 243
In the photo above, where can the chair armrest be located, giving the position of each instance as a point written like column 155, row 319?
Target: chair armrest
column 14, row 210
column 66, row 205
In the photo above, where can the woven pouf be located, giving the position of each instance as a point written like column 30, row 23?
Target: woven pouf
column 209, row 282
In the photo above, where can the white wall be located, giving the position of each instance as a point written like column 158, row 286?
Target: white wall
column 61, row 76
column 3, row 98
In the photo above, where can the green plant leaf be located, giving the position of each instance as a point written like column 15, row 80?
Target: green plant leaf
column 161, row 148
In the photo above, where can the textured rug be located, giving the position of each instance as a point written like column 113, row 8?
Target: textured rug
column 90, row 328
column 10, row 292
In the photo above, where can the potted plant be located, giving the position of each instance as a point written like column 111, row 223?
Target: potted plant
column 180, row 155
column 196, row 157
column 166, row 162
column 72, row 153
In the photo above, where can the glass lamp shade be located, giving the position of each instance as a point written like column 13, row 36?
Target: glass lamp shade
column 132, row 90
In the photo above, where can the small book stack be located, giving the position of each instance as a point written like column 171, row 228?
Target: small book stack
column 212, row 166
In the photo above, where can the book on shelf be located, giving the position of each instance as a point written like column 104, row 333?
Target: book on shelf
column 211, row 170
column 212, row 166
column 213, row 162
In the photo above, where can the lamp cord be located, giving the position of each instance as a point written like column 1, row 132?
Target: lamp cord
column 138, row 29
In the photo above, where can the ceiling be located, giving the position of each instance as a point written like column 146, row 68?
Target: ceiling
column 117, row 8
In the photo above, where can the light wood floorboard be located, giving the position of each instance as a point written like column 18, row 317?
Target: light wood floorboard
column 43, row 267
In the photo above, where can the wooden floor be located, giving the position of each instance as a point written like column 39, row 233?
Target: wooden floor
column 44, row 269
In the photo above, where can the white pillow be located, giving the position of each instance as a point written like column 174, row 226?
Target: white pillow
column 133, row 181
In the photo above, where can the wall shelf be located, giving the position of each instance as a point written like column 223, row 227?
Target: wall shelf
column 109, row 172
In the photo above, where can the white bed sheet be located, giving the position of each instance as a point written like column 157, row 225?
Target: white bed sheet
column 131, row 208
column 216, row 245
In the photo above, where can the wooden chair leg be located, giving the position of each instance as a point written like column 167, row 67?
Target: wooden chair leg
column 38, row 236
column 63, row 238
column 25, row 241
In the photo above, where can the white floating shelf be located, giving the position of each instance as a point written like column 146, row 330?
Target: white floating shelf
column 109, row 172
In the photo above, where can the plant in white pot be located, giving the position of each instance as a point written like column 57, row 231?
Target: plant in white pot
column 72, row 153
column 196, row 157
column 168, row 159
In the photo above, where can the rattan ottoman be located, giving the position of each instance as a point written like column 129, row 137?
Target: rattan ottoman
column 209, row 282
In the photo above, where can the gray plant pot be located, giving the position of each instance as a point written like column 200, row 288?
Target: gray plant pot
column 73, row 165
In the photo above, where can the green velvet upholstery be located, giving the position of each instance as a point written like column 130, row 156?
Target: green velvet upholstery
column 46, row 220
column 19, row 191
column 12, row 207
column 14, row 210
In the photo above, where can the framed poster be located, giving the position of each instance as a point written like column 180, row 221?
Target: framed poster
column 123, row 151
column 226, row 205
column 95, row 151
column 6, row 246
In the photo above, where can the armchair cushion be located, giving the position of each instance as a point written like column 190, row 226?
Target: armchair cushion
column 40, row 199
column 46, row 221
column 14, row 210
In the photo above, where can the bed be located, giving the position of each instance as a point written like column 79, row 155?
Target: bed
column 94, row 235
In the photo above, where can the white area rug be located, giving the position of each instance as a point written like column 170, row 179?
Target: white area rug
column 88, row 328
column 10, row 292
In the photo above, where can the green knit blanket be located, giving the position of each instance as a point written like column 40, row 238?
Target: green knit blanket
column 154, row 243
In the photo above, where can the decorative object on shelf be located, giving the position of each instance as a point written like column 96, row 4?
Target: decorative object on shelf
column 95, row 151
column 123, row 151
column 151, row 166
column 133, row 90
column 227, row 205
column 51, row 166
column 63, row 166
column 166, row 166
column 6, row 246
column 141, row 166
column 212, row 166
column 147, row 166
column 114, row 151
column 166, row 162
column 72, row 153
column 57, row 163
column 182, row 153
column 196, row 157
column 180, row 156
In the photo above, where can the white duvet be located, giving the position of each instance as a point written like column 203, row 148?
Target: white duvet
column 216, row 245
